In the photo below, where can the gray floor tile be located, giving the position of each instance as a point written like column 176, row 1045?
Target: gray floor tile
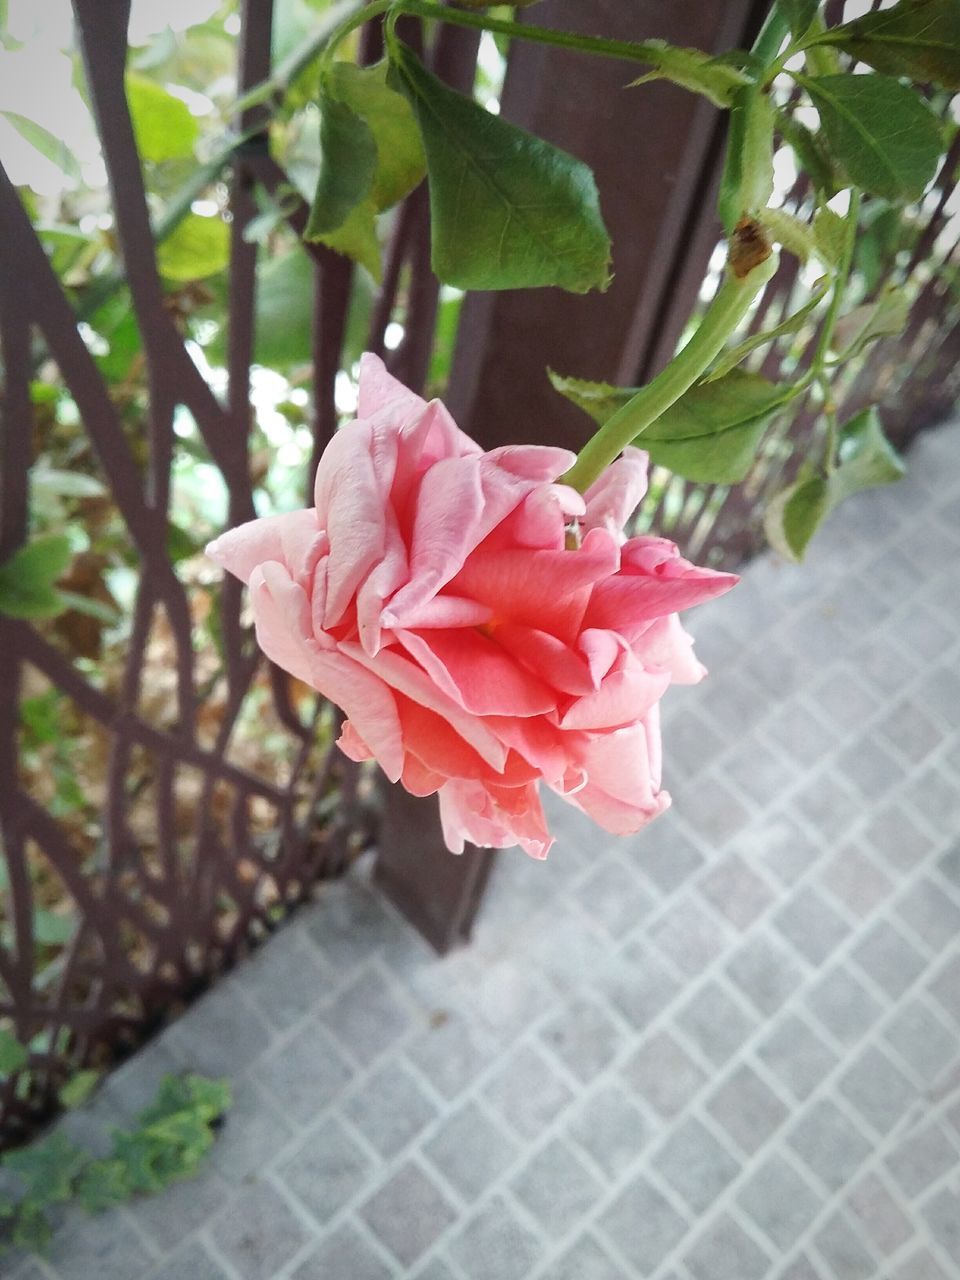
column 527, row 1092
column 663, row 1075
column 192, row 1261
column 797, row 1056
column 830, row 1145
column 258, row 1232
column 367, row 1017
column 343, row 1253
column 390, row 1108
column 643, row 1225
column 586, row 1260
column 877, row 1090
column 327, row 1170
column 610, row 1128
column 556, row 1188
column 715, row 1023
column 725, row 1252
column 781, row 1203
column 843, row 1252
column 921, row 1157
column 695, row 1164
column 883, row 1219
column 408, row 1213
column 584, row 1037
column 470, row 1150
column 747, row 1110
column 495, row 1245
column 304, row 1073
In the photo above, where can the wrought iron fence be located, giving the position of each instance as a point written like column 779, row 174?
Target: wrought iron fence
column 187, row 840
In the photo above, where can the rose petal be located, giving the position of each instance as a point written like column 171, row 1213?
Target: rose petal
column 281, row 614
column 294, row 540
column 613, row 498
column 477, row 674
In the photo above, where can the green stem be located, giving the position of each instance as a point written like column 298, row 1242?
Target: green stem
column 644, row 52
column 350, row 24
column 839, row 285
column 347, row 14
column 721, row 318
column 772, row 33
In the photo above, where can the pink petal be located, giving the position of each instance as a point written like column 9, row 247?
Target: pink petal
column 623, row 791
column 352, row 745
column 468, row 811
column 532, row 461
column 547, row 590
column 477, row 674
column 613, row 498
column 380, row 390
column 353, row 481
column 294, row 540
column 666, row 646
column 654, row 580
column 281, row 614
column 448, row 517
column 543, row 654
column 625, row 696
column 406, row 677
column 443, row 611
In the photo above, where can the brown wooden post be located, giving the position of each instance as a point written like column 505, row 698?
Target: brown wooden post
column 654, row 152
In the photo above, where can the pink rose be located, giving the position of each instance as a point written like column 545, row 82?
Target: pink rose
column 430, row 595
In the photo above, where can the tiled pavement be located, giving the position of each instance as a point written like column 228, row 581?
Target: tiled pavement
column 728, row 1049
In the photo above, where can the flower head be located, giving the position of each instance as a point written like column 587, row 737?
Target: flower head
column 430, row 595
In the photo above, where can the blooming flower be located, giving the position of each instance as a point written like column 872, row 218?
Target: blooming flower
column 431, row 595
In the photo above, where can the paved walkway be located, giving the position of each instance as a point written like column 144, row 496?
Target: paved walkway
column 726, row 1050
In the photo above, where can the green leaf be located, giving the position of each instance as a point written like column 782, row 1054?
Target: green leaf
column 27, row 578
column 792, row 518
column 812, row 155
column 78, row 1088
column 52, row 930
column 919, row 39
column 599, row 399
column 885, row 136
column 799, row 14
column 730, row 359
column 199, row 247
column 79, row 603
column 102, row 1184
column 348, row 161
column 829, row 236
column 31, row 1227
column 789, row 231
column 48, row 1167
column 885, row 316
column 747, row 179
column 867, row 459
column 13, row 1055
column 357, row 238
column 285, row 296
column 371, row 157
column 694, row 70
column 508, row 210
column 162, row 124
column 50, row 147
column 709, row 435
column 400, row 162
column 181, row 545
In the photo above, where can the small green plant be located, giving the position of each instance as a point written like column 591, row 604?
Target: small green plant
column 166, row 1143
